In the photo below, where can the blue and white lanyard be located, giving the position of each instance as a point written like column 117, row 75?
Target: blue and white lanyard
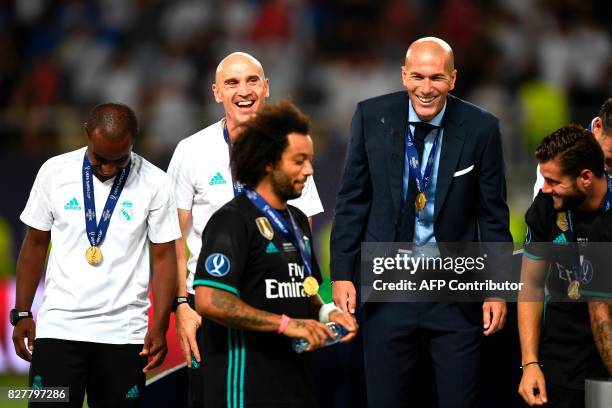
column 292, row 234
column 412, row 159
column 97, row 233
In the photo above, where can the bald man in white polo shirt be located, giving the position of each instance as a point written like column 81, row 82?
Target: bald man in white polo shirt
column 202, row 183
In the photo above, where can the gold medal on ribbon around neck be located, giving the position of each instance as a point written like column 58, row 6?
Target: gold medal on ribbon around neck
column 573, row 290
column 93, row 255
column 562, row 221
column 420, row 201
column 311, row 286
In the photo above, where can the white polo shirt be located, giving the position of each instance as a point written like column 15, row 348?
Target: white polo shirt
column 202, row 182
column 106, row 303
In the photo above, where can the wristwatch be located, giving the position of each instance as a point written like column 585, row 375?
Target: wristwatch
column 16, row 315
column 177, row 301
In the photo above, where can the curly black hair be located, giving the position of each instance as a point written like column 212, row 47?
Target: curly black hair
column 576, row 149
column 115, row 120
column 263, row 139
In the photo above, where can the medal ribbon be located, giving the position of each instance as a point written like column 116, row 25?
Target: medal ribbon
column 97, row 233
column 236, row 185
column 607, row 204
column 412, row 158
column 292, row 234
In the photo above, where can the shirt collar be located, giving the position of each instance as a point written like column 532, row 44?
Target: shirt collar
column 436, row 120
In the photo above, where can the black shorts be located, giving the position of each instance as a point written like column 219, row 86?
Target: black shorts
column 562, row 397
column 110, row 374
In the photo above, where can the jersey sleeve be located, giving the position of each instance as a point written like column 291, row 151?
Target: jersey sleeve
column 38, row 212
column 224, row 254
column 181, row 176
column 162, row 219
column 538, row 218
column 309, row 202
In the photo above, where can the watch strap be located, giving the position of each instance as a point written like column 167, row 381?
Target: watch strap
column 179, row 300
column 16, row 315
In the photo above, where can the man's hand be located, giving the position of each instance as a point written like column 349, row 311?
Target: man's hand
column 346, row 320
column 25, row 329
column 533, row 387
column 187, row 321
column 30, row 266
column 493, row 316
column 155, row 348
column 314, row 332
column 344, row 295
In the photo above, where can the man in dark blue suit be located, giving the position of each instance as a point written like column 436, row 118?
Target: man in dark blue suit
column 379, row 201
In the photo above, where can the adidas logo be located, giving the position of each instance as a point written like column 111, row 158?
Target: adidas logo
column 37, row 383
column 560, row 240
column 217, row 179
column 132, row 393
column 271, row 248
column 72, row 205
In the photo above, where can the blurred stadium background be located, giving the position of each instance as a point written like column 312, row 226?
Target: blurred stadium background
column 536, row 64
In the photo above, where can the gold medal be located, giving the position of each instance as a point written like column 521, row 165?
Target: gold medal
column 420, row 201
column 93, row 255
column 562, row 221
column 311, row 286
column 573, row 290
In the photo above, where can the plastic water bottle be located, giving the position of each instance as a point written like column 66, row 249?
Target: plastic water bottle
column 299, row 345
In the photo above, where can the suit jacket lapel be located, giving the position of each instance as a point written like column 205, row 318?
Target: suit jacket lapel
column 452, row 145
column 394, row 123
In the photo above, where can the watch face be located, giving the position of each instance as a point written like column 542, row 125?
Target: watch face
column 178, row 301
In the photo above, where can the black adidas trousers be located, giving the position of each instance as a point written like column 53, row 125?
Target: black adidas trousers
column 110, row 374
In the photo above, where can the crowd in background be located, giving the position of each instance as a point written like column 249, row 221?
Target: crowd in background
column 536, row 64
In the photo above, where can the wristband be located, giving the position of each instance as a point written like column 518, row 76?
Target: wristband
column 530, row 363
column 325, row 310
column 283, row 324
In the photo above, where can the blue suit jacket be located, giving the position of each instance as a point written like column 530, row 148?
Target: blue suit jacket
column 469, row 206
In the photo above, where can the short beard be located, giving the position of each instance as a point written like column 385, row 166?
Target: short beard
column 574, row 200
column 283, row 186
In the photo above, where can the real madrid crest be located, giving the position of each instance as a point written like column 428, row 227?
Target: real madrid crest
column 264, row 227
column 562, row 221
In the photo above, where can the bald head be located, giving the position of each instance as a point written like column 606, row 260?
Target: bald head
column 242, row 88
column 428, row 75
column 237, row 59
column 431, row 47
